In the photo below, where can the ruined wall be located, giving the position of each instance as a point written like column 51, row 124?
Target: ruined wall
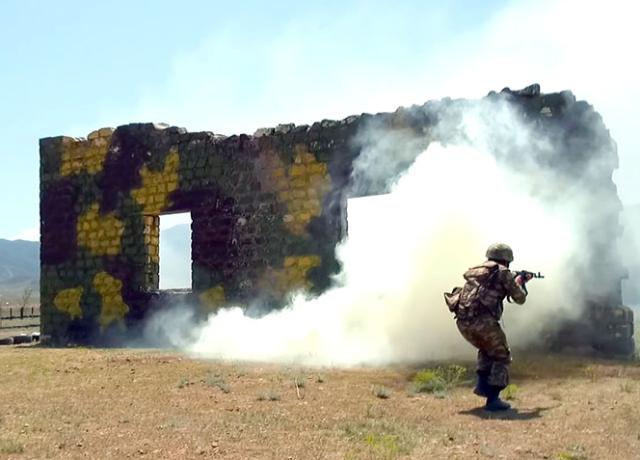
column 267, row 210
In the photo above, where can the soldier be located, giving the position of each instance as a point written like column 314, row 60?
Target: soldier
column 478, row 312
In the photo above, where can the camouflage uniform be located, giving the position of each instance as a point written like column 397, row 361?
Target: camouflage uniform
column 479, row 313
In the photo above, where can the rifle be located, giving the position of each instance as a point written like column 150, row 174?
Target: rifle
column 524, row 274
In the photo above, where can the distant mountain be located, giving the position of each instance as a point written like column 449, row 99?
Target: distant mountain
column 19, row 260
column 630, row 249
column 19, row 267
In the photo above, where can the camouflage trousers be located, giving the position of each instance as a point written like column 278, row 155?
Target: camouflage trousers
column 484, row 333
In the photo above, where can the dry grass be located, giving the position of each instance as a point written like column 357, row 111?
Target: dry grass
column 10, row 446
column 72, row 403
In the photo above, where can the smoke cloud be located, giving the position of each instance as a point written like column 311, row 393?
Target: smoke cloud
column 630, row 243
column 485, row 180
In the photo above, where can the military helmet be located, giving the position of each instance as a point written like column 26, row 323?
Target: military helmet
column 500, row 251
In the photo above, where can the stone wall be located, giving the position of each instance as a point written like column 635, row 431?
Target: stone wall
column 267, row 213
column 267, row 210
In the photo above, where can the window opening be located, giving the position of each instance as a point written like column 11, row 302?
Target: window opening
column 175, row 251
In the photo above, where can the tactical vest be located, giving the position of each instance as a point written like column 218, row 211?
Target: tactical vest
column 481, row 294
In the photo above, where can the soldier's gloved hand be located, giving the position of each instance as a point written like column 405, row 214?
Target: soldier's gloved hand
column 521, row 280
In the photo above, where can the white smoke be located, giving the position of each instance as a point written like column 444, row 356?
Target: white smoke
column 176, row 326
column 408, row 247
column 630, row 242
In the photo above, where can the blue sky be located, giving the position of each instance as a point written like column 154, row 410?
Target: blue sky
column 69, row 67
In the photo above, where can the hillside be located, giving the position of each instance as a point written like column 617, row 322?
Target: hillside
column 19, row 268
column 19, row 260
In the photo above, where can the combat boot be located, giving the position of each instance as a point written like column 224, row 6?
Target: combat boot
column 494, row 403
column 482, row 385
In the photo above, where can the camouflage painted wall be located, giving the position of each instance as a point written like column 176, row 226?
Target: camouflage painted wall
column 267, row 210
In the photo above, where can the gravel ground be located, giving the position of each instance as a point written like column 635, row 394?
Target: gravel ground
column 122, row 403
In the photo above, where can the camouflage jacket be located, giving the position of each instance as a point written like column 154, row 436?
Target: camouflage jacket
column 485, row 289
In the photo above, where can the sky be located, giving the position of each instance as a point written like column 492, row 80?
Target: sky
column 69, row 67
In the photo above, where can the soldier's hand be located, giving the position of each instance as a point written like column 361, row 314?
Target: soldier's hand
column 522, row 278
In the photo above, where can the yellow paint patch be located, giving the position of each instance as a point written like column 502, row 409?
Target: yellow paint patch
column 213, row 298
column 101, row 234
column 78, row 156
column 302, row 188
column 113, row 307
column 152, row 238
column 153, row 195
column 292, row 276
column 68, row 301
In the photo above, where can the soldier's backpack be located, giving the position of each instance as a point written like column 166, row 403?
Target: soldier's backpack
column 478, row 279
column 452, row 299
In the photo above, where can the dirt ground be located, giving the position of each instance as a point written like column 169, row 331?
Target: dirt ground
column 117, row 403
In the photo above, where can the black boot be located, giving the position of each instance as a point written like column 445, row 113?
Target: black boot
column 494, row 403
column 482, row 386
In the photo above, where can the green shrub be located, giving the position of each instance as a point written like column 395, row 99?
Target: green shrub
column 380, row 439
column 382, row 392
column 429, row 381
column 216, row 380
column 570, row 456
column 9, row 446
column 627, row 386
column 510, row 391
column 453, row 374
column 573, row 453
column 439, row 379
column 270, row 395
